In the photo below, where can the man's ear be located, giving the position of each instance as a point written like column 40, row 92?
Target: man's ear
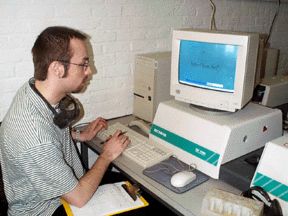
column 57, row 69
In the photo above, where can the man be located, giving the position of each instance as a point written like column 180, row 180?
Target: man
column 38, row 158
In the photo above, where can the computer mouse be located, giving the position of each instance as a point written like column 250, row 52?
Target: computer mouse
column 182, row 178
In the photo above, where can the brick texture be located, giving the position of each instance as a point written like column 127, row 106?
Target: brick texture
column 119, row 29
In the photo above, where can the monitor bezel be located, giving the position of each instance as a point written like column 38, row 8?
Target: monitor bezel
column 244, row 77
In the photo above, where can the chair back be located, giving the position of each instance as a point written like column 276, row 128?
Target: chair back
column 3, row 200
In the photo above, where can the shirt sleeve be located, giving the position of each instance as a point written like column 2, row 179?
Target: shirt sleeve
column 47, row 171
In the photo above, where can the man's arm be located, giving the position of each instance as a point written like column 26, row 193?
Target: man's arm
column 89, row 182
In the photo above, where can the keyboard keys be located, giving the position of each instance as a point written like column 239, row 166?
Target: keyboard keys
column 140, row 151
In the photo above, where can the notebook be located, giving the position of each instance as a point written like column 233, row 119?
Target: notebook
column 109, row 199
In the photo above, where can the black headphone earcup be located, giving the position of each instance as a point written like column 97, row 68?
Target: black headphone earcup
column 61, row 120
column 68, row 109
column 275, row 209
column 64, row 118
column 271, row 207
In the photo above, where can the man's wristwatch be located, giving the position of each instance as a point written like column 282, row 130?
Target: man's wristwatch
column 77, row 137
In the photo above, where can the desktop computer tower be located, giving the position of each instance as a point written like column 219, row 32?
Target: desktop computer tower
column 151, row 83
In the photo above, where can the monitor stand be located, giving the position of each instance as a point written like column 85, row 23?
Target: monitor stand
column 238, row 172
column 212, row 139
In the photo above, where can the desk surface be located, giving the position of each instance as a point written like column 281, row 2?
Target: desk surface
column 188, row 203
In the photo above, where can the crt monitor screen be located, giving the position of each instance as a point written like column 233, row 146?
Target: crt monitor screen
column 208, row 65
column 213, row 69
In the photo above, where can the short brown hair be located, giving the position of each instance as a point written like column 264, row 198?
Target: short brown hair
column 52, row 45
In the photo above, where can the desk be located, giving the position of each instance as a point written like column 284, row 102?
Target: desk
column 188, row 203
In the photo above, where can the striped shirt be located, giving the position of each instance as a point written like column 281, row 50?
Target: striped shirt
column 39, row 161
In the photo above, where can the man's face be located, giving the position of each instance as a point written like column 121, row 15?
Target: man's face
column 79, row 71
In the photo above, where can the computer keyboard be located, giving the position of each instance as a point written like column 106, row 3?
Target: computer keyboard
column 140, row 150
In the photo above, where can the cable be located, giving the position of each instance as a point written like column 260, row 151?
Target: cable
column 212, row 21
column 170, row 168
column 273, row 21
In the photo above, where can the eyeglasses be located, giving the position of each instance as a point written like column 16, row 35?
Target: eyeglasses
column 84, row 65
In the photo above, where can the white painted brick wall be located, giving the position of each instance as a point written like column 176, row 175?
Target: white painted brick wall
column 119, row 29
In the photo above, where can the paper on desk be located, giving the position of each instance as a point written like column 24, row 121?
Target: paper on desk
column 109, row 199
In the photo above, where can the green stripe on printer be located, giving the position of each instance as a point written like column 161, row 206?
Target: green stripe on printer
column 186, row 145
column 272, row 186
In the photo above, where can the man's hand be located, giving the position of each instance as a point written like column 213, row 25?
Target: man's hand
column 115, row 146
column 91, row 130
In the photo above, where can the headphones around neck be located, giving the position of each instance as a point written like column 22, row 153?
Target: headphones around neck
column 65, row 113
column 271, row 207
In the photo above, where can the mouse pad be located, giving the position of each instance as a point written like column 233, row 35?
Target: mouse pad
column 163, row 171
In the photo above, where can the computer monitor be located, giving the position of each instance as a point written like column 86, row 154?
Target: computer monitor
column 213, row 69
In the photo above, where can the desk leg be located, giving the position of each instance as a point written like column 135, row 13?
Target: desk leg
column 84, row 155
